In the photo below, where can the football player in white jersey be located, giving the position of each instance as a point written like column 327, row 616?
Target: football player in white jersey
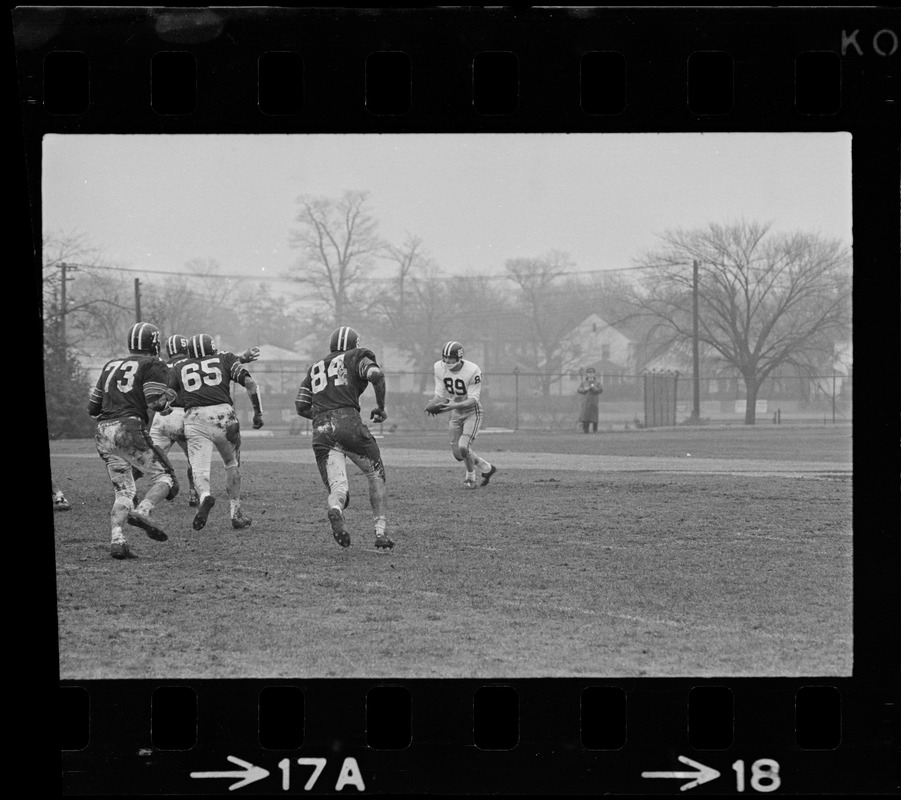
column 458, row 384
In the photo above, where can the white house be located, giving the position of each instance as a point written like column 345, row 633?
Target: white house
column 595, row 341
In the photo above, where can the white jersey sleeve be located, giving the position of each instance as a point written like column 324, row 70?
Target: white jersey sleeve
column 440, row 387
column 473, row 380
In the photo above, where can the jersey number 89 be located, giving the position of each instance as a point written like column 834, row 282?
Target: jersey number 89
column 456, row 385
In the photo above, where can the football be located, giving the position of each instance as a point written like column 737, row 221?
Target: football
column 436, row 406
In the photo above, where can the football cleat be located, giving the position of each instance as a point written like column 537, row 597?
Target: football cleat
column 339, row 529
column 239, row 521
column 144, row 523
column 343, row 338
column 203, row 512
column 469, row 483
column 144, row 338
column 202, row 344
column 61, row 504
column 119, row 549
column 382, row 542
column 486, row 476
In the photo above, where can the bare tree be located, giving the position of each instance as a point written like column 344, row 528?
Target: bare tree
column 764, row 300
column 410, row 259
column 339, row 245
column 78, row 298
column 545, row 307
column 202, row 302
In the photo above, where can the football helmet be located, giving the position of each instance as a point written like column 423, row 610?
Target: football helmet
column 202, row 344
column 343, row 338
column 452, row 355
column 143, row 337
column 177, row 345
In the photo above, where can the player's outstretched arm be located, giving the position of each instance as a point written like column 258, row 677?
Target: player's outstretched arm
column 253, row 392
column 377, row 378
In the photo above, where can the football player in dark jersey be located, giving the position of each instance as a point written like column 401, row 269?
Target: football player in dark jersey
column 202, row 383
column 127, row 389
column 330, row 396
column 168, row 429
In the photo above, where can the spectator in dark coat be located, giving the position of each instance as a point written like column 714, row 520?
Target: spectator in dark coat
column 590, row 390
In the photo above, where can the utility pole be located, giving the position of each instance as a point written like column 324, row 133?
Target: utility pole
column 137, row 299
column 696, row 374
column 63, row 307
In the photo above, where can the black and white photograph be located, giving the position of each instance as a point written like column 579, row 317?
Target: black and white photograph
column 469, row 405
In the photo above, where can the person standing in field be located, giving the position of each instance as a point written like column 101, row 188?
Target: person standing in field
column 458, row 388
column 329, row 395
column 202, row 382
column 126, row 391
column 590, row 390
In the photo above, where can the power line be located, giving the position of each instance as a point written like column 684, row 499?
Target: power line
column 389, row 279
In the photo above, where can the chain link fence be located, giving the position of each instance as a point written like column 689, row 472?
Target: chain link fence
column 530, row 401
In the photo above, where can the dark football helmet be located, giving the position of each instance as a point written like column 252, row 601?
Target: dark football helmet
column 177, row 345
column 143, row 337
column 202, row 344
column 343, row 338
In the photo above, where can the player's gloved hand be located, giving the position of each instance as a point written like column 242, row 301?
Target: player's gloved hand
column 250, row 354
column 257, row 421
column 378, row 415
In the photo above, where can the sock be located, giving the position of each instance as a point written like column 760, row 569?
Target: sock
column 144, row 508
column 470, row 476
column 380, row 525
column 235, row 507
column 117, row 535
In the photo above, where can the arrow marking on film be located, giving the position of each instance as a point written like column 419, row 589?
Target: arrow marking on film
column 702, row 774
column 249, row 774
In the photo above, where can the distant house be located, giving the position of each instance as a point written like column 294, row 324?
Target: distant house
column 596, row 343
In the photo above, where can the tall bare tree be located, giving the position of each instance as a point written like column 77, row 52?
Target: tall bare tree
column 764, row 299
column 338, row 244
column 545, row 306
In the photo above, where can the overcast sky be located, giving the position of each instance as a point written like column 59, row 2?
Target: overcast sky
column 156, row 202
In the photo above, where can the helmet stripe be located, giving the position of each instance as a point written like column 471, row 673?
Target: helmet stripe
column 342, row 338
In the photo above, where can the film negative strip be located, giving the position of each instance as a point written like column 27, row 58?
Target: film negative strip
column 477, row 691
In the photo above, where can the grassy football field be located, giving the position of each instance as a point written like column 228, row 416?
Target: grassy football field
column 663, row 553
